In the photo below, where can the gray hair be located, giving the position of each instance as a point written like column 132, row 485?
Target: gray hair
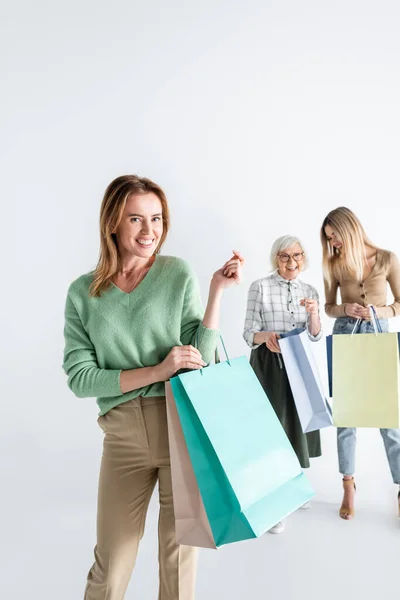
column 282, row 243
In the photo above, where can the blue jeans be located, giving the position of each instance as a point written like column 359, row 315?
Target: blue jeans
column 346, row 436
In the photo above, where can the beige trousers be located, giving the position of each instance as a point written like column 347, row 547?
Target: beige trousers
column 135, row 457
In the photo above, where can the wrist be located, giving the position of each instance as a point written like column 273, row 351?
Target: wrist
column 216, row 290
column 158, row 373
column 344, row 310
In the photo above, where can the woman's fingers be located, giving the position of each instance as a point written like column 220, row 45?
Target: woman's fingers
column 190, row 353
column 230, row 271
column 192, row 365
column 239, row 256
column 274, row 349
column 189, row 348
column 308, row 302
column 233, row 264
column 232, row 267
column 272, row 344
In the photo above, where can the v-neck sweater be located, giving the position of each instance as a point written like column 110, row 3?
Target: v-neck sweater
column 121, row 331
column 371, row 290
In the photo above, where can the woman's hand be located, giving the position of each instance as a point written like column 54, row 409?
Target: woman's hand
column 312, row 308
column 230, row 274
column 180, row 357
column 355, row 310
column 271, row 341
column 310, row 305
column 365, row 313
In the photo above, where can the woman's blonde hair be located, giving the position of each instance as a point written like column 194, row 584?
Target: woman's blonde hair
column 349, row 260
column 112, row 209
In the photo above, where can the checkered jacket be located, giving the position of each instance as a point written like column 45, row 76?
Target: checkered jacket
column 273, row 304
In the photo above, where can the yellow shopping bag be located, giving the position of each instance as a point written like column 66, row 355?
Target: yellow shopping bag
column 366, row 380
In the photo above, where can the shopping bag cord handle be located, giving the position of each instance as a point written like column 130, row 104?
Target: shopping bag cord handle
column 375, row 321
column 217, row 359
column 225, row 352
column 355, row 326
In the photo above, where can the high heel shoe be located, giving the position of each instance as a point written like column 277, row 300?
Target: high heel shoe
column 345, row 512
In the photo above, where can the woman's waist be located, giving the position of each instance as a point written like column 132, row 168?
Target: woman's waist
column 353, row 320
column 144, row 401
column 351, row 325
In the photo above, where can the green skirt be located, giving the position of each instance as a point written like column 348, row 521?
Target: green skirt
column 272, row 375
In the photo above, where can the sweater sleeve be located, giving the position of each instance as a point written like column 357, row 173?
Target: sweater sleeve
column 85, row 378
column 253, row 321
column 192, row 329
column 333, row 309
column 393, row 277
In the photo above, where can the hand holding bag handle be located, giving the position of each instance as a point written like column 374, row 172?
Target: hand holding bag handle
column 374, row 319
column 217, row 357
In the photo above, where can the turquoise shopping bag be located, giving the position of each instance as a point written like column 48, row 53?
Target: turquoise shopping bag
column 247, row 472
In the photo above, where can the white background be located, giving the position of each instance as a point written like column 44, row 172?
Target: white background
column 257, row 118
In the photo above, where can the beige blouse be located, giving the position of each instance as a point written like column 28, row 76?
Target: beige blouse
column 373, row 290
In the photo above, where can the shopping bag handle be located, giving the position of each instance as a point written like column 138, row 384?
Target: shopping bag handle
column 375, row 321
column 225, row 352
column 355, row 326
column 217, row 356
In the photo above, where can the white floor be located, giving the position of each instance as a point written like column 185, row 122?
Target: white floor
column 48, row 533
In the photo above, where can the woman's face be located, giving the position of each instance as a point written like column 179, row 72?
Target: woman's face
column 141, row 225
column 291, row 261
column 333, row 237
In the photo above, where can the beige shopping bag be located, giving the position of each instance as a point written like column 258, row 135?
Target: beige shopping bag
column 191, row 522
column 366, row 380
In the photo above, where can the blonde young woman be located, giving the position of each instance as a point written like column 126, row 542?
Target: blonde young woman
column 279, row 303
column 129, row 326
column 362, row 272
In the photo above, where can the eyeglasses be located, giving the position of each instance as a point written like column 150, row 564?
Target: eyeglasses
column 298, row 256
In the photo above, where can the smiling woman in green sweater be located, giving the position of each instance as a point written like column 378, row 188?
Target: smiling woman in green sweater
column 129, row 326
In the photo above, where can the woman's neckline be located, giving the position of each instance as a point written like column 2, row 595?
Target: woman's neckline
column 371, row 270
column 145, row 281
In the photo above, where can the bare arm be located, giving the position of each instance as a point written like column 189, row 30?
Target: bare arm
column 227, row 276
column 314, row 324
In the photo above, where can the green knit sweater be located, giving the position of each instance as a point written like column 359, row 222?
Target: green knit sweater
column 119, row 331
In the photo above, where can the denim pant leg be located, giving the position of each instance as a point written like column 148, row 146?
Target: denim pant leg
column 346, row 445
column 391, row 439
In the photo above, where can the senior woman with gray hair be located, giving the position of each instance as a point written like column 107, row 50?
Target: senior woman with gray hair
column 279, row 303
